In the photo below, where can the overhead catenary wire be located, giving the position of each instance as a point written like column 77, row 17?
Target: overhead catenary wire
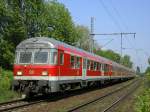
column 116, row 23
column 119, row 15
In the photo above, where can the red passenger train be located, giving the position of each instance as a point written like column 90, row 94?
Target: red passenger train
column 45, row 65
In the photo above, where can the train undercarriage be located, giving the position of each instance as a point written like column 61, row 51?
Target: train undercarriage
column 30, row 88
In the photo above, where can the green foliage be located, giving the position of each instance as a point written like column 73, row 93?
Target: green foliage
column 60, row 21
column 6, row 55
column 143, row 101
column 138, row 71
column 126, row 61
column 31, row 18
column 109, row 54
column 83, row 34
column 115, row 57
column 5, row 85
column 149, row 60
column 147, row 71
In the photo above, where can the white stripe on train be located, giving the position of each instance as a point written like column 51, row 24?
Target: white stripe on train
column 56, row 78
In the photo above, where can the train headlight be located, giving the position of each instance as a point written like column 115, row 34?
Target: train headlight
column 44, row 73
column 19, row 72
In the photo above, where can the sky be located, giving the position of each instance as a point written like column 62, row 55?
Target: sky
column 115, row 16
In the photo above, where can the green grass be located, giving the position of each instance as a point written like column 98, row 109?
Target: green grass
column 143, row 101
column 6, row 93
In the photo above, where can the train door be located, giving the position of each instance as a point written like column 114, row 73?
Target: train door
column 102, row 69
column 110, row 70
column 61, row 62
column 84, row 68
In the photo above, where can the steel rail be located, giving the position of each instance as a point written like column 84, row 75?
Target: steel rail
column 120, row 99
column 98, row 98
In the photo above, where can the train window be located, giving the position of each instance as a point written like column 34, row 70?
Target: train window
column 84, row 63
column 100, row 66
column 61, row 58
column 40, row 57
column 106, row 68
column 25, row 57
column 53, row 57
column 92, row 65
column 72, row 62
column 78, row 62
column 95, row 66
column 88, row 64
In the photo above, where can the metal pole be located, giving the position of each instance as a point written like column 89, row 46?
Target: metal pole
column 121, row 44
column 92, row 34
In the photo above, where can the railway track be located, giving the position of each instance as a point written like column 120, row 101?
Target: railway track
column 15, row 104
column 107, row 109
column 100, row 98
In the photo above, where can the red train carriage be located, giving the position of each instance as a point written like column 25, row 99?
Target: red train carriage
column 45, row 65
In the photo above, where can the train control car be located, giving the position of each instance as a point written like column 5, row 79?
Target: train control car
column 45, row 65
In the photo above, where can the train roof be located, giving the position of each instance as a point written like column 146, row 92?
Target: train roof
column 36, row 42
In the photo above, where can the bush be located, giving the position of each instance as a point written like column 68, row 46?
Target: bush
column 143, row 101
column 6, row 78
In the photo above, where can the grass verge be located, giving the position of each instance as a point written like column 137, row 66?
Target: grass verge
column 143, row 100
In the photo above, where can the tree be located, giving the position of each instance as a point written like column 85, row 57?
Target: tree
column 126, row 61
column 147, row 71
column 84, row 40
column 149, row 60
column 58, row 17
column 109, row 54
column 138, row 70
column 21, row 19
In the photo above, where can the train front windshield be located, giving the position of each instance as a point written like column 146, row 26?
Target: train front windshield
column 33, row 57
column 37, row 57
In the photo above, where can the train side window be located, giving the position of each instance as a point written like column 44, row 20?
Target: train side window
column 72, row 61
column 78, row 62
column 92, row 65
column 84, row 64
column 88, row 64
column 100, row 66
column 95, row 66
column 53, row 57
column 106, row 68
column 61, row 58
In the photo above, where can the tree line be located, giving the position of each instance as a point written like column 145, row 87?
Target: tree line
column 22, row 19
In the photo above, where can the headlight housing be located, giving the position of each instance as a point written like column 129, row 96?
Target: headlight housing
column 19, row 72
column 45, row 73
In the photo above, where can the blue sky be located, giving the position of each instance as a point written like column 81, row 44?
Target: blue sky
column 117, row 16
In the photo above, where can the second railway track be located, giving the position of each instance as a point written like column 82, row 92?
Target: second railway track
column 100, row 98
